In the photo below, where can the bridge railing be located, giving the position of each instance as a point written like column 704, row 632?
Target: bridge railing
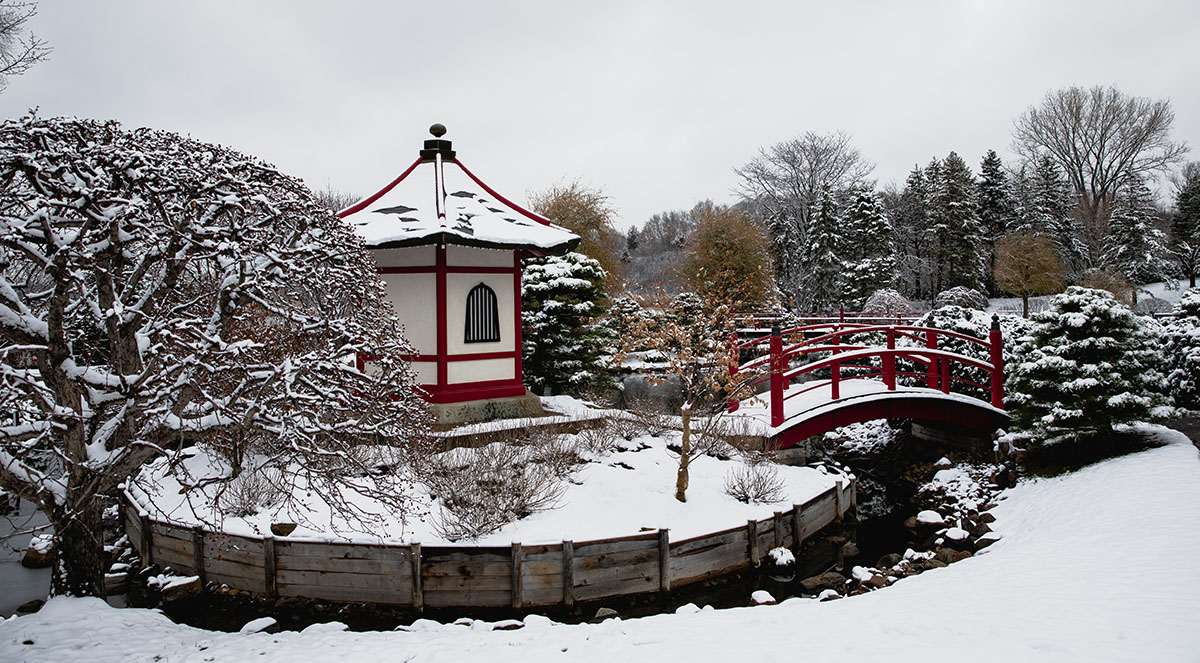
column 827, row 338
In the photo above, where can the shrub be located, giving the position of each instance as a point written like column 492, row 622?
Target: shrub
column 961, row 296
column 886, row 300
column 757, row 481
column 252, row 490
column 1181, row 347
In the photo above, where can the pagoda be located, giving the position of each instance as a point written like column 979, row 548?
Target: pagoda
column 449, row 250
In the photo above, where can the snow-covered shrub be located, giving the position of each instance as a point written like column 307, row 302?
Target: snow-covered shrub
column 599, row 439
column 1181, row 347
column 886, row 300
column 961, row 296
column 757, row 482
column 1152, row 306
column 481, row 490
column 1091, row 364
column 252, row 490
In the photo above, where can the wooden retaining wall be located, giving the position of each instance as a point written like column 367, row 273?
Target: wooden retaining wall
column 455, row 576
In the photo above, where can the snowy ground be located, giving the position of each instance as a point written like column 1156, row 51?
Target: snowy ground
column 619, row 494
column 1099, row 565
column 1169, row 292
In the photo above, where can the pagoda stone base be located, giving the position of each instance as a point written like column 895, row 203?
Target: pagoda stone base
column 454, row 414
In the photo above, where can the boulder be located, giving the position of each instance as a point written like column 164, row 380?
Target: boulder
column 603, row 614
column 950, row 556
column 762, row 597
column 30, row 607
column 178, row 589
column 827, row 580
column 888, row 561
column 986, row 517
column 282, row 529
column 40, row 553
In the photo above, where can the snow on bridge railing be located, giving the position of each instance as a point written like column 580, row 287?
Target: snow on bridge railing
column 828, row 339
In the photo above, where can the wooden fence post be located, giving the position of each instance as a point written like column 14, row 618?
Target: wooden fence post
column 778, row 525
column 568, row 572
column 752, row 534
column 198, row 552
column 269, row 565
column 517, row 556
column 838, row 499
column 797, row 525
column 147, row 550
column 777, row 369
column 414, row 558
column 664, row 560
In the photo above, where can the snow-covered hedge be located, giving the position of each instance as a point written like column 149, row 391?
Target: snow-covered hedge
column 961, row 296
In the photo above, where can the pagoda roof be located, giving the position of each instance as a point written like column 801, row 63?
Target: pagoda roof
column 438, row 201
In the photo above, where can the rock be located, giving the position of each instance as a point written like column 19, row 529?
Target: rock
column 979, row 530
column 910, row 522
column 888, row 561
column 930, row 518
column 934, row 564
column 603, row 614
column 181, row 588
column 829, row 595
column 282, row 529
column 986, row 517
column 762, row 597
column 688, row 609
column 40, row 553
column 508, row 625
column 116, row 583
column 950, row 556
column 986, row 540
column 30, row 607
column 780, row 564
column 943, row 462
column 849, row 550
column 261, row 625
column 827, row 580
column 876, row 581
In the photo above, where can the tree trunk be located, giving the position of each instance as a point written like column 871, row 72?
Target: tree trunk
column 1024, row 306
column 79, row 539
column 685, row 453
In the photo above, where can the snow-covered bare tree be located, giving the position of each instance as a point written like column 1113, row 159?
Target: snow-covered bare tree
column 783, row 186
column 156, row 291
column 1100, row 137
column 19, row 49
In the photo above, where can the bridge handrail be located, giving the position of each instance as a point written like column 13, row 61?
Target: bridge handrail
column 937, row 360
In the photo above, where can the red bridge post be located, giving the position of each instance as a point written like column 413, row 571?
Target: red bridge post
column 889, row 361
column 835, row 372
column 734, row 359
column 997, row 348
column 777, row 368
column 935, row 369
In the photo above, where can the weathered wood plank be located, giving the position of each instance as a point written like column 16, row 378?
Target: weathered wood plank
column 568, row 579
column 198, row 552
column 351, row 580
column 463, row 568
column 418, row 594
column 400, row 565
column 175, row 545
column 618, row 582
column 177, row 561
column 466, row 584
column 515, row 580
column 269, row 576
column 340, row 550
column 702, row 543
column 615, row 560
column 752, row 538
column 632, row 538
column 467, row 599
column 535, row 597
column 664, row 561
column 444, row 554
column 346, row 594
column 235, row 570
column 613, row 547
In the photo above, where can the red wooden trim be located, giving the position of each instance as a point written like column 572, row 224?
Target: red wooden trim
column 450, row 269
column 476, row 391
column 518, row 374
column 358, row 207
column 442, row 324
column 505, row 354
column 540, row 219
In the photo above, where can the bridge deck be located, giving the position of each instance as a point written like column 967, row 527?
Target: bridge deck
column 814, row 411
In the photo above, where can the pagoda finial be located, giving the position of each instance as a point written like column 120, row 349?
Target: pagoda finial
column 438, row 130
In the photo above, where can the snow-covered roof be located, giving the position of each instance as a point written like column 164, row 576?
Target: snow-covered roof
column 438, row 201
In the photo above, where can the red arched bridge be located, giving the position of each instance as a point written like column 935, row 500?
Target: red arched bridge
column 827, row 375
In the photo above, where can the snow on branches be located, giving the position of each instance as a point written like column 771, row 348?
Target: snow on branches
column 156, row 291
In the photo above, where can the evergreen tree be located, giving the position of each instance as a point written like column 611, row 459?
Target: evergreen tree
column 1090, row 364
column 1134, row 248
column 955, row 235
column 909, row 213
column 1181, row 348
column 1185, row 225
column 867, row 249
column 997, row 209
column 562, row 346
column 1051, row 215
column 823, row 285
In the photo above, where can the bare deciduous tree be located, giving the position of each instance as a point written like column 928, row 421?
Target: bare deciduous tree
column 589, row 213
column 335, row 200
column 19, row 50
column 1101, row 137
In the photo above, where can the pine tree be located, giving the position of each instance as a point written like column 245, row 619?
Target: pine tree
column 910, row 219
column 997, row 208
column 823, row 285
column 867, row 249
column 1134, row 248
column 1181, row 348
column 562, row 346
column 1090, row 364
column 1185, row 227
column 955, row 235
column 1051, row 214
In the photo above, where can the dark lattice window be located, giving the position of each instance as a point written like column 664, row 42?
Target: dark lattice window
column 483, row 318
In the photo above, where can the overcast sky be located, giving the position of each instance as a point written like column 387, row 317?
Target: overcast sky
column 654, row 102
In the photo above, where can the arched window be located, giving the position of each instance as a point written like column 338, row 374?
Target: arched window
column 483, row 319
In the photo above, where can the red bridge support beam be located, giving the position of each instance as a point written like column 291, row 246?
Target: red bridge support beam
column 889, row 361
column 777, row 368
column 934, row 371
column 734, row 359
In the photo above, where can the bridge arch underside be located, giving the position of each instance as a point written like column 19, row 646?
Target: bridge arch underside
column 800, row 427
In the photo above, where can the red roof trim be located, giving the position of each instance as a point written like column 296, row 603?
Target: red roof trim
column 540, row 219
column 359, row 206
